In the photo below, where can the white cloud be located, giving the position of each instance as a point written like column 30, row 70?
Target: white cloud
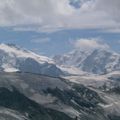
column 47, row 15
column 88, row 44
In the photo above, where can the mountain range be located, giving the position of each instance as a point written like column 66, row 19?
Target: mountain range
column 80, row 85
column 97, row 61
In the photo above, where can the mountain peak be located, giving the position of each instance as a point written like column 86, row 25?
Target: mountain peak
column 21, row 52
column 14, row 58
column 97, row 61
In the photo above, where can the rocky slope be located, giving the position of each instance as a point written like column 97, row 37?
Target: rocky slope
column 32, row 97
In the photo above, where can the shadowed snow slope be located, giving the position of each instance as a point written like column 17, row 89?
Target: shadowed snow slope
column 14, row 59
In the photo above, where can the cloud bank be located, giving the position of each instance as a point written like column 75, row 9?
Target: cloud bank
column 48, row 15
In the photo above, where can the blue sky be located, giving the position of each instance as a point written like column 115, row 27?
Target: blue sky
column 52, row 27
column 58, row 42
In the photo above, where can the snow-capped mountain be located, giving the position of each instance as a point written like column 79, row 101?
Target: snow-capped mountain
column 97, row 61
column 13, row 58
column 78, row 96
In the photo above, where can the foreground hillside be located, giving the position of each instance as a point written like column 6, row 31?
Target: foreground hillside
column 29, row 96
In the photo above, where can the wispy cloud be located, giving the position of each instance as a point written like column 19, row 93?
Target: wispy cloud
column 119, row 42
column 88, row 44
column 41, row 40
